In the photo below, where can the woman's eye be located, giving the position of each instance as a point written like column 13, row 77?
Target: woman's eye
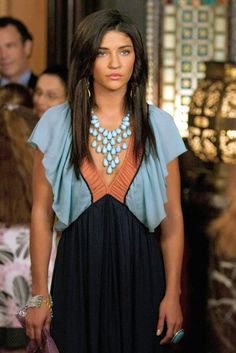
column 125, row 52
column 101, row 53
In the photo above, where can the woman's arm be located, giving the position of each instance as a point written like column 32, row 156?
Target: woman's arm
column 172, row 243
column 40, row 247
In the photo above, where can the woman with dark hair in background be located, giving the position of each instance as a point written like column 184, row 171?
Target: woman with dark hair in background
column 16, row 94
column 17, row 122
column 106, row 165
column 16, row 162
column 51, row 89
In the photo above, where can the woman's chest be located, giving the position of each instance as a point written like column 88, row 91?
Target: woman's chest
column 108, row 163
column 101, row 182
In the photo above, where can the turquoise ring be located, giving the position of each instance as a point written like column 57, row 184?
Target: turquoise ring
column 177, row 337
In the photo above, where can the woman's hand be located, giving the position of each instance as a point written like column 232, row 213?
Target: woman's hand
column 170, row 313
column 36, row 319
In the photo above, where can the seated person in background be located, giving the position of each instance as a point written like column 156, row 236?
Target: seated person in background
column 51, row 89
column 16, row 160
column 15, row 51
column 222, row 271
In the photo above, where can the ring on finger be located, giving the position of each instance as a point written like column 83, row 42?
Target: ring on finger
column 177, row 336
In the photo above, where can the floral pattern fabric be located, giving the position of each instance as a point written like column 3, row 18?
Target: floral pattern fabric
column 15, row 272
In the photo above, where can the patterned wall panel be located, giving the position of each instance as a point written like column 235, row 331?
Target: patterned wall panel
column 192, row 35
column 232, row 30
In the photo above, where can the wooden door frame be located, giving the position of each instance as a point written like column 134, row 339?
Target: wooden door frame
column 63, row 17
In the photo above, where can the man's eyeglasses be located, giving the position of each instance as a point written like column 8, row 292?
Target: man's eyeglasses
column 47, row 95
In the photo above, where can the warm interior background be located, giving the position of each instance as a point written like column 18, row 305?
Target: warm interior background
column 52, row 23
column 34, row 14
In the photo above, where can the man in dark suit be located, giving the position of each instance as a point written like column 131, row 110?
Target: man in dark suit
column 15, row 51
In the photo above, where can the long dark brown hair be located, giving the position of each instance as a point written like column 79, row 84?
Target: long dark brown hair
column 16, row 163
column 84, row 50
column 16, row 156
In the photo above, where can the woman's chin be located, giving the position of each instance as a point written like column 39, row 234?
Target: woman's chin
column 40, row 112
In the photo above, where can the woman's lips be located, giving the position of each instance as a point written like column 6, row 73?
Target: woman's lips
column 114, row 76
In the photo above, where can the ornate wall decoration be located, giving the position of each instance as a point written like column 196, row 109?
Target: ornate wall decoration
column 212, row 115
column 192, row 35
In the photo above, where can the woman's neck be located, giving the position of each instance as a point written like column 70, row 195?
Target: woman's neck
column 110, row 105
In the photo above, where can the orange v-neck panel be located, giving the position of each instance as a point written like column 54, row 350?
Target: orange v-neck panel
column 121, row 181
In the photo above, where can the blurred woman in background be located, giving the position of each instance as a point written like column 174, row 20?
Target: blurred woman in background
column 51, row 89
column 16, row 94
column 16, row 160
column 222, row 271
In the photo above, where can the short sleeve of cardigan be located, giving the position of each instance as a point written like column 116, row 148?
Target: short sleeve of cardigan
column 52, row 136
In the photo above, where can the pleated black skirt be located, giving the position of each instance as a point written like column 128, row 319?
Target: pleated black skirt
column 108, row 283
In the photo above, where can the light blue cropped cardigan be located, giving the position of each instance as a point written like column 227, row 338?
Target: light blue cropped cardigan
column 147, row 193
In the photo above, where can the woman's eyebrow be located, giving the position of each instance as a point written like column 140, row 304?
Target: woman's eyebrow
column 122, row 47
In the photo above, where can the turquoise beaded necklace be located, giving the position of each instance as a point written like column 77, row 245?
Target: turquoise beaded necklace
column 110, row 142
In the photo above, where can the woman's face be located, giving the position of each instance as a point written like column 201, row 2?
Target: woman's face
column 114, row 63
column 49, row 91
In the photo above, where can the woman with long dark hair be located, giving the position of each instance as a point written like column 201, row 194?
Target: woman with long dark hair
column 106, row 166
column 50, row 89
column 16, row 161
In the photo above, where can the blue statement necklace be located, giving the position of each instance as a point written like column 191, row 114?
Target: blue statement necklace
column 110, row 142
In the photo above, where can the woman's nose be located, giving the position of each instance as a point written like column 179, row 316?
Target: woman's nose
column 40, row 98
column 114, row 61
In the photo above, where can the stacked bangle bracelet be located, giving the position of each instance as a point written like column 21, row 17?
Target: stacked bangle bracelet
column 37, row 300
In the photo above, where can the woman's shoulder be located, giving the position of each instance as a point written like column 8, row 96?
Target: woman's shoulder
column 163, row 123
column 166, row 134
column 52, row 128
column 160, row 117
column 56, row 114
